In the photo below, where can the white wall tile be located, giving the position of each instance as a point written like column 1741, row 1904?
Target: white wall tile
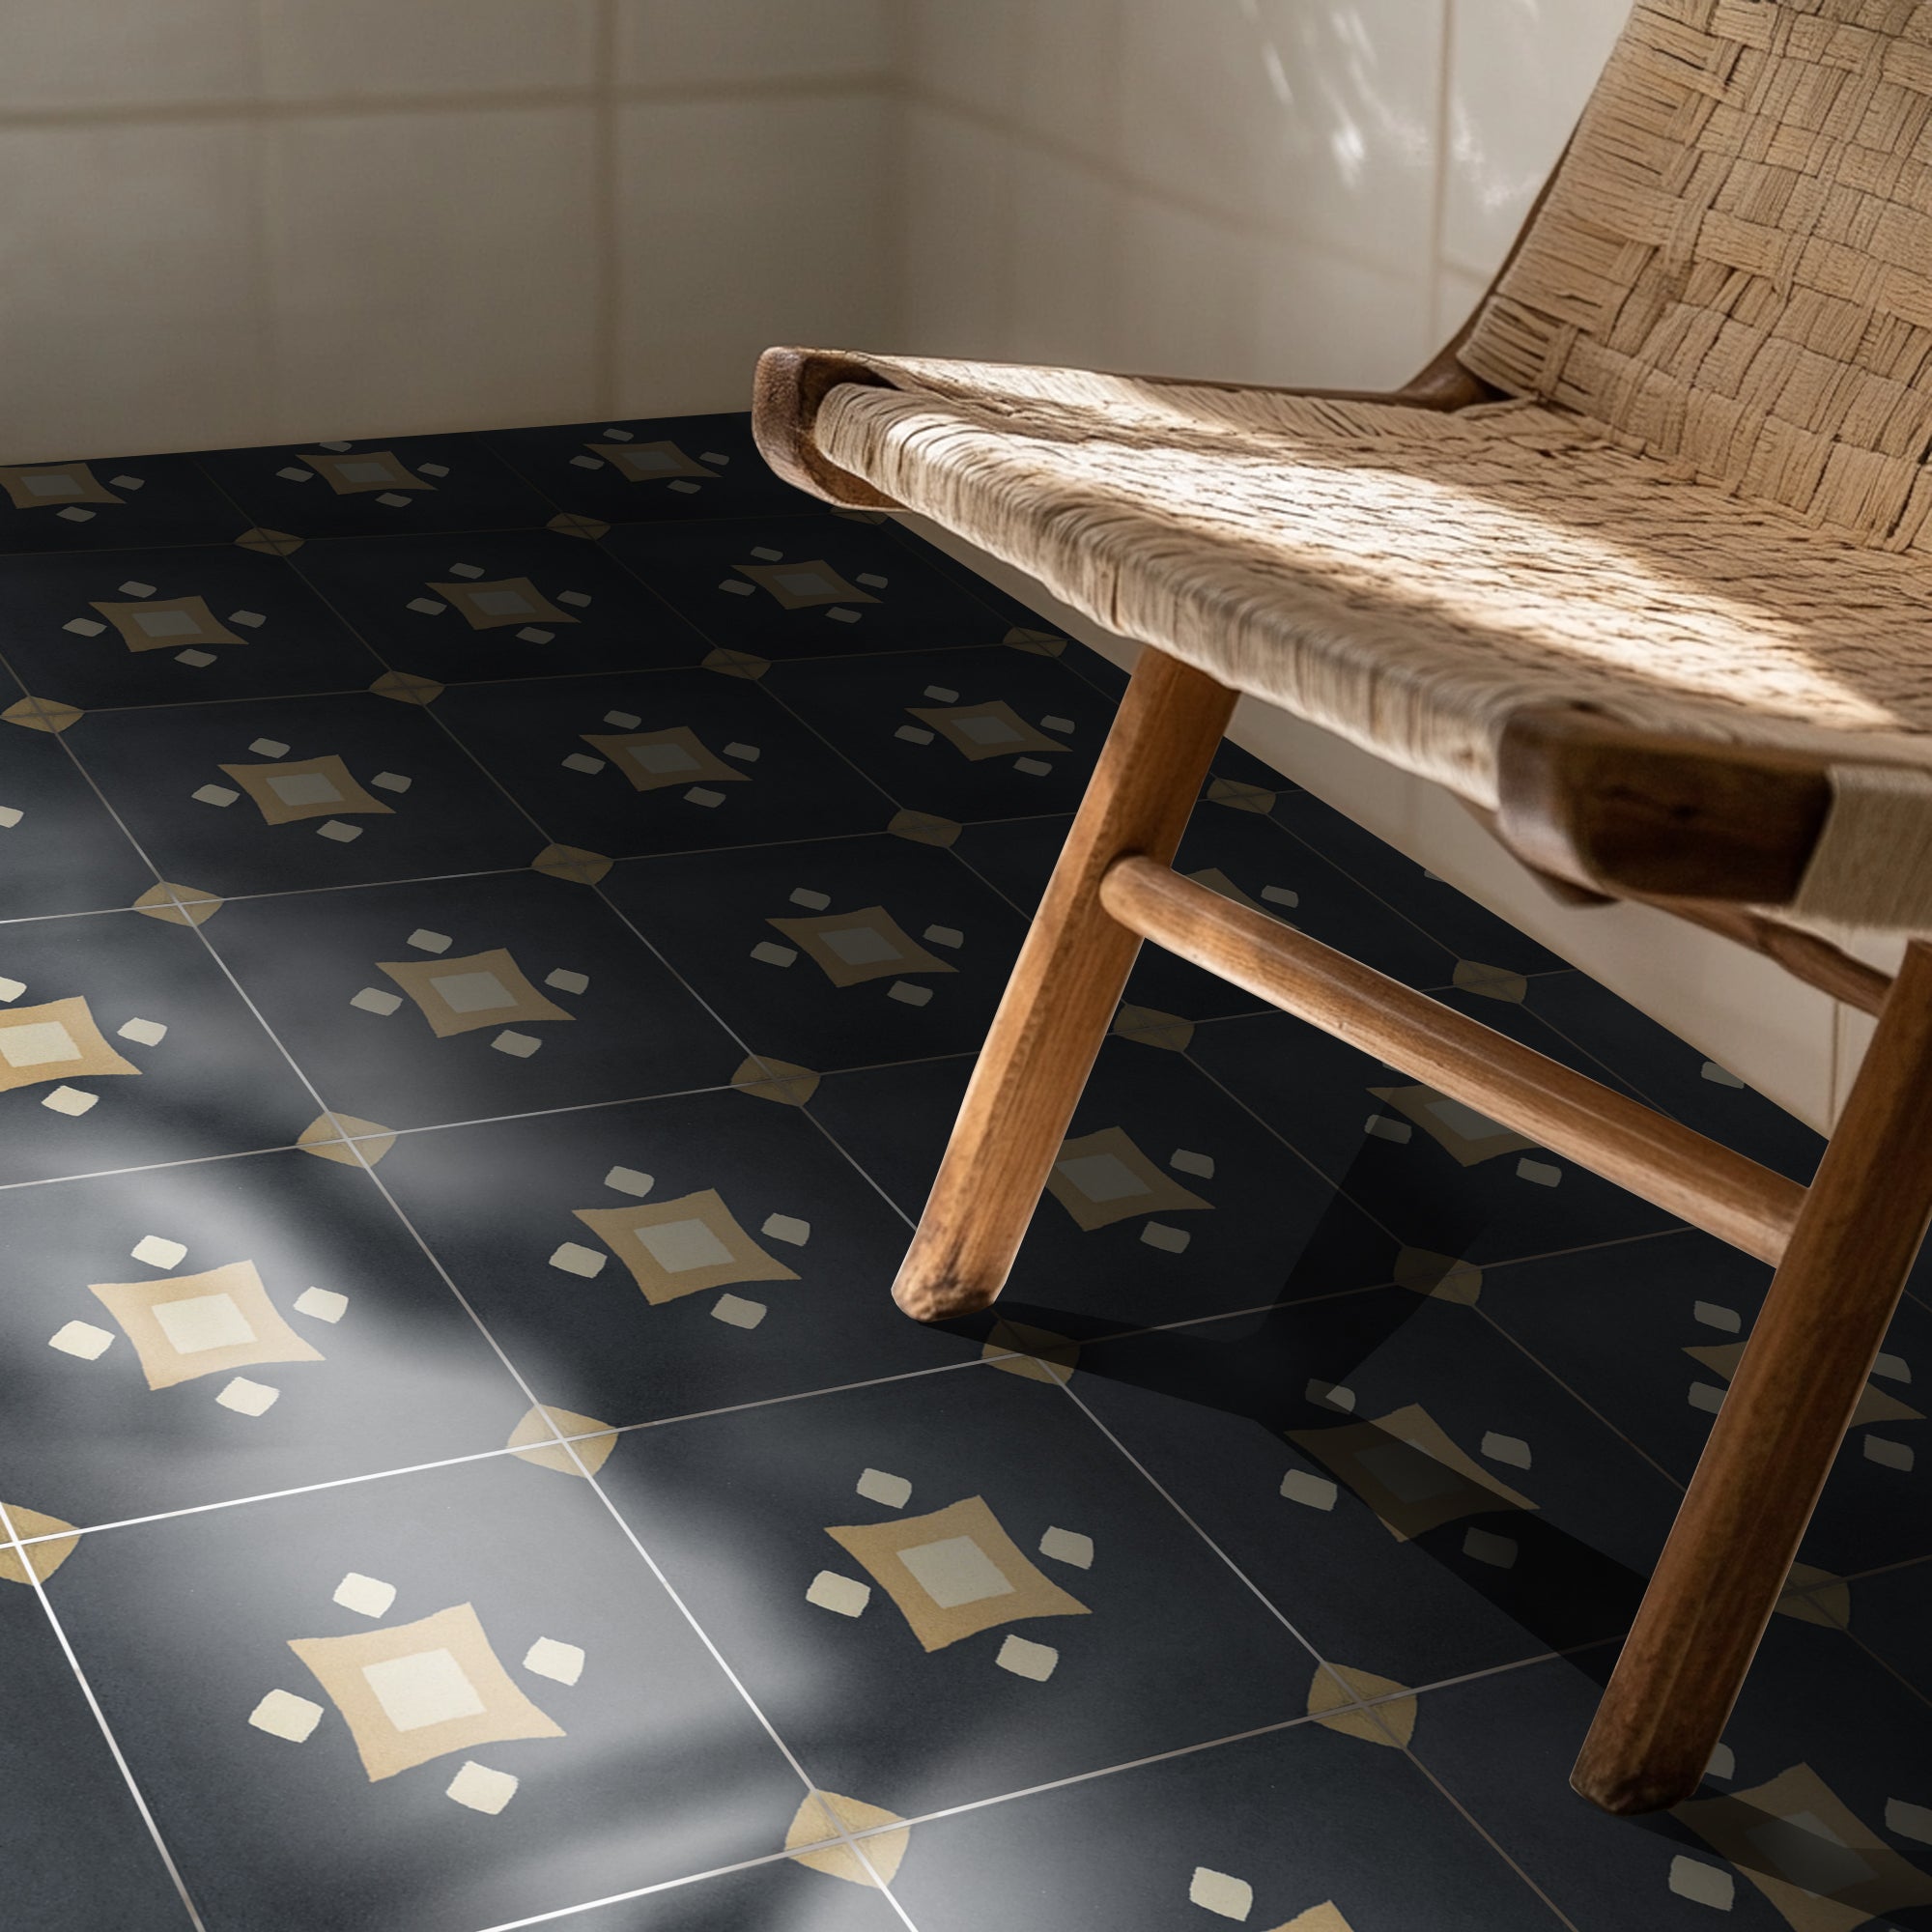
column 1069, row 84
column 1185, row 290
column 744, row 224
column 721, row 42
column 1321, row 322
column 1315, row 121
column 955, row 210
column 108, row 53
column 346, row 48
column 967, row 51
column 433, row 271
column 1520, row 72
column 1064, row 274
column 1456, row 298
column 130, row 290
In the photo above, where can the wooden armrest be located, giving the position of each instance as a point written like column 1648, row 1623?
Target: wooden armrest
column 1645, row 815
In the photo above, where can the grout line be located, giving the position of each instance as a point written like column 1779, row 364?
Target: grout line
column 605, row 224
column 113, row 1743
column 1260, row 1596
column 500, row 99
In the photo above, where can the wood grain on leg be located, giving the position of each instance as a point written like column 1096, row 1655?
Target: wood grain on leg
column 1061, row 997
column 1780, row 1425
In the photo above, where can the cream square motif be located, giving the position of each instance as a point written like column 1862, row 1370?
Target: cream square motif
column 844, row 1596
column 203, row 1321
column 677, row 1246
column 860, row 945
column 284, row 1715
column 1026, row 1659
column 472, row 992
column 478, row 1788
column 368, row 1594
column 1068, row 1546
column 427, row 1687
column 46, row 1043
column 321, row 1304
column 664, row 757
column 956, row 1570
column 82, row 1339
column 248, row 1397
column 1103, row 1176
column 303, row 788
column 877, row 1486
column 1218, row 1893
column 561, row 1662
column 158, row 1252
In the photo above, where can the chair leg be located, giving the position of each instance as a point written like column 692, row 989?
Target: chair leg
column 1062, row 996
column 1780, row 1425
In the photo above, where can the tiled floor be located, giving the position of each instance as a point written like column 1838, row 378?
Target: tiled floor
column 494, row 934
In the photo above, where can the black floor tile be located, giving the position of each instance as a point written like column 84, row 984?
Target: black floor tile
column 377, row 487
column 1443, row 1177
column 78, row 1855
column 123, row 1042
column 1811, row 1815
column 661, row 762
column 840, row 954
column 786, row 585
column 680, row 1255
column 172, row 627
column 996, row 1653
column 60, row 848
column 538, row 1724
column 629, row 471
column 189, row 1335
column 496, row 604
column 1170, row 1202
column 111, row 502
column 965, row 735
column 1418, row 1498
column 298, row 794
column 464, row 999
column 1305, row 1831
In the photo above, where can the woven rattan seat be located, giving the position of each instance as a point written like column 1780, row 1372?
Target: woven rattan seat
column 1642, row 568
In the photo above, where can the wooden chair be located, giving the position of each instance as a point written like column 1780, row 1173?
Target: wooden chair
column 1638, row 567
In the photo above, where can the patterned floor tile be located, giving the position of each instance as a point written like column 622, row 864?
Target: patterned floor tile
column 1445, row 1178
column 468, row 1675
column 1050, row 1614
column 228, row 1328
column 1814, row 1814
column 966, row 734
column 60, row 848
column 1244, row 857
column 298, row 794
column 1170, row 1202
column 1673, row 1075
column 1305, row 1831
column 464, row 999
column 842, row 954
column 1470, row 931
column 632, row 471
column 802, row 586
column 1650, row 1335
column 680, row 1255
column 1415, row 1496
column 661, row 762
column 172, row 627
column 377, row 487
column 111, row 503
column 78, row 1856
column 123, row 1042
column 1890, row 1613
column 500, row 603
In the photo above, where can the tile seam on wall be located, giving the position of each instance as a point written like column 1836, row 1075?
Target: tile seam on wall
column 479, row 100
column 1228, row 221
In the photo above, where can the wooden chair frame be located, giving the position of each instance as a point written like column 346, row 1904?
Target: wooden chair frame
column 1601, row 813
